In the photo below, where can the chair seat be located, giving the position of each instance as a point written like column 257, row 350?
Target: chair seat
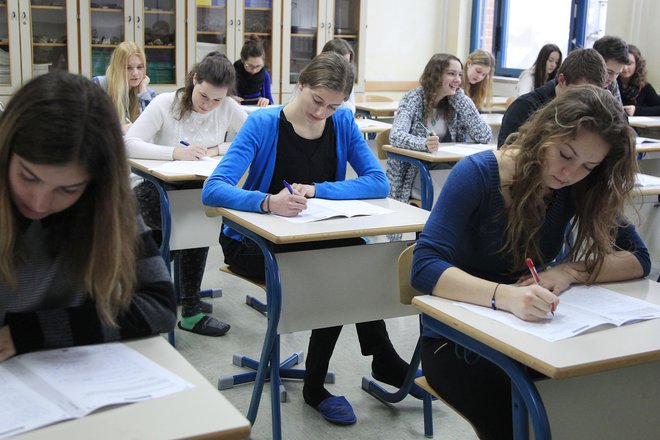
column 415, row 202
column 256, row 281
column 423, row 384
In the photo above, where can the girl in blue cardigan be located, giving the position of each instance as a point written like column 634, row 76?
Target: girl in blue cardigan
column 574, row 159
column 308, row 142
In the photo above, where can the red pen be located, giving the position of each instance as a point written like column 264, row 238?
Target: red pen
column 537, row 280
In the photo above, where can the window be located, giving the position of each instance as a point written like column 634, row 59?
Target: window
column 515, row 30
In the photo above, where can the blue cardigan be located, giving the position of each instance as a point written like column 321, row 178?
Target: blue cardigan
column 255, row 147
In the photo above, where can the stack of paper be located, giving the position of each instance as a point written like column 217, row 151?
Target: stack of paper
column 203, row 167
column 646, row 181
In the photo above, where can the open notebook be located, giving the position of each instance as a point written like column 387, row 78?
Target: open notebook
column 46, row 387
column 581, row 308
column 321, row 209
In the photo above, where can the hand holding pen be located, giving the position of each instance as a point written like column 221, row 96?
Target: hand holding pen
column 537, row 281
column 432, row 140
column 188, row 152
column 288, row 202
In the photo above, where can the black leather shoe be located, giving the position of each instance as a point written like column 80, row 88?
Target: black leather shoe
column 208, row 326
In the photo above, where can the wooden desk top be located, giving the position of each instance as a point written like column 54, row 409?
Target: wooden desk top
column 146, row 165
column 384, row 109
column 372, row 125
column 199, row 413
column 438, row 156
column 644, row 121
column 492, row 119
column 588, row 353
column 406, row 218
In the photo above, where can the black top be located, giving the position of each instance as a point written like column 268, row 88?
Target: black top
column 301, row 160
column 522, row 108
column 645, row 100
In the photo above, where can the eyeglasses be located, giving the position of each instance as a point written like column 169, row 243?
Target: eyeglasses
column 254, row 68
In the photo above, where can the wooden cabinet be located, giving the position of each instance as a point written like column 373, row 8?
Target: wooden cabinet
column 224, row 25
column 156, row 25
column 309, row 24
column 36, row 36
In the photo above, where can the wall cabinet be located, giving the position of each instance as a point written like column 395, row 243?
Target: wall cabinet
column 309, row 24
column 156, row 25
column 224, row 25
column 36, row 36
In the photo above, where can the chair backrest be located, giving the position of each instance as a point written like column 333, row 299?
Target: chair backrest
column 510, row 100
column 382, row 138
column 373, row 98
column 406, row 291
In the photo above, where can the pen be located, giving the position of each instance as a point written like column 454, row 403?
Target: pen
column 537, row 280
column 184, row 143
column 288, row 186
column 426, row 129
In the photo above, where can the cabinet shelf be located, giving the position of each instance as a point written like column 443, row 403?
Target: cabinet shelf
column 346, row 36
column 104, row 46
column 52, row 8
column 158, row 11
column 258, row 9
column 303, row 35
column 49, row 44
column 209, row 33
column 211, row 7
column 259, row 34
column 152, row 46
column 113, row 10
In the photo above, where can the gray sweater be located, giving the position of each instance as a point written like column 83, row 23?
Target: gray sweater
column 49, row 308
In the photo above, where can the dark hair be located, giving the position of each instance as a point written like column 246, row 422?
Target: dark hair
column 339, row 46
column 638, row 79
column 329, row 70
column 60, row 119
column 598, row 199
column 253, row 48
column 612, row 48
column 584, row 65
column 540, row 73
column 431, row 79
column 214, row 69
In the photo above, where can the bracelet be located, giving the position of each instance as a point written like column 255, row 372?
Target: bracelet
column 267, row 200
column 493, row 304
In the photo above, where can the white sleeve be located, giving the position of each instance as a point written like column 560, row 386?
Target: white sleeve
column 525, row 83
column 144, row 129
column 350, row 102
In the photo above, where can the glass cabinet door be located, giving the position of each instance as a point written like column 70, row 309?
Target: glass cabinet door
column 160, row 40
column 49, row 37
column 107, row 31
column 211, row 30
column 5, row 71
column 304, row 35
column 257, row 22
column 347, row 25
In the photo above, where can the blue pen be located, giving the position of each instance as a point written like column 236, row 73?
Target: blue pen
column 184, row 143
column 288, row 186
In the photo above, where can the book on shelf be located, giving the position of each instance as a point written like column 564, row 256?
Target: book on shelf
column 322, row 209
column 46, row 387
column 580, row 309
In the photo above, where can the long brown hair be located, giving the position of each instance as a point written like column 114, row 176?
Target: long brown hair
column 431, row 80
column 58, row 119
column 598, row 199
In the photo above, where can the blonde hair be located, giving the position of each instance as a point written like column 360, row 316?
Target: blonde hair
column 598, row 199
column 59, row 119
column 124, row 98
column 482, row 92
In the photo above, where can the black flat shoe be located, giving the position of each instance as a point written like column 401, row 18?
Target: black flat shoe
column 208, row 326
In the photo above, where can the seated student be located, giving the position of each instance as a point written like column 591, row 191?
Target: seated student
column 615, row 53
column 478, row 73
column 252, row 78
column 78, row 265
column 574, row 158
column 309, row 142
column 127, row 83
column 582, row 66
column 543, row 70
column 186, row 125
column 638, row 96
column 437, row 111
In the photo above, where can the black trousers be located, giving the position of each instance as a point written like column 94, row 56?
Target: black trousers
column 245, row 258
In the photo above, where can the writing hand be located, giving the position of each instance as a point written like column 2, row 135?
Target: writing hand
column 192, row 152
column 263, row 102
column 432, row 143
column 7, row 348
column 308, row 191
column 556, row 279
column 286, row 204
column 531, row 303
column 629, row 109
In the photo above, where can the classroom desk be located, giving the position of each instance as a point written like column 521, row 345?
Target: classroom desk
column 372, row 125
column 199, row 413
column 304, row 290
column 621, row 358
column 377, row 109
column 644, row 121
column 492, row 119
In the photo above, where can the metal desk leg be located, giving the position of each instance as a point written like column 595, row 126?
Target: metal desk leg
column 424, row 178
column 525, row 396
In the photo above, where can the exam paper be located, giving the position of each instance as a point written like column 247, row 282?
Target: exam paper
column 203, row 167
column 320, row 209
